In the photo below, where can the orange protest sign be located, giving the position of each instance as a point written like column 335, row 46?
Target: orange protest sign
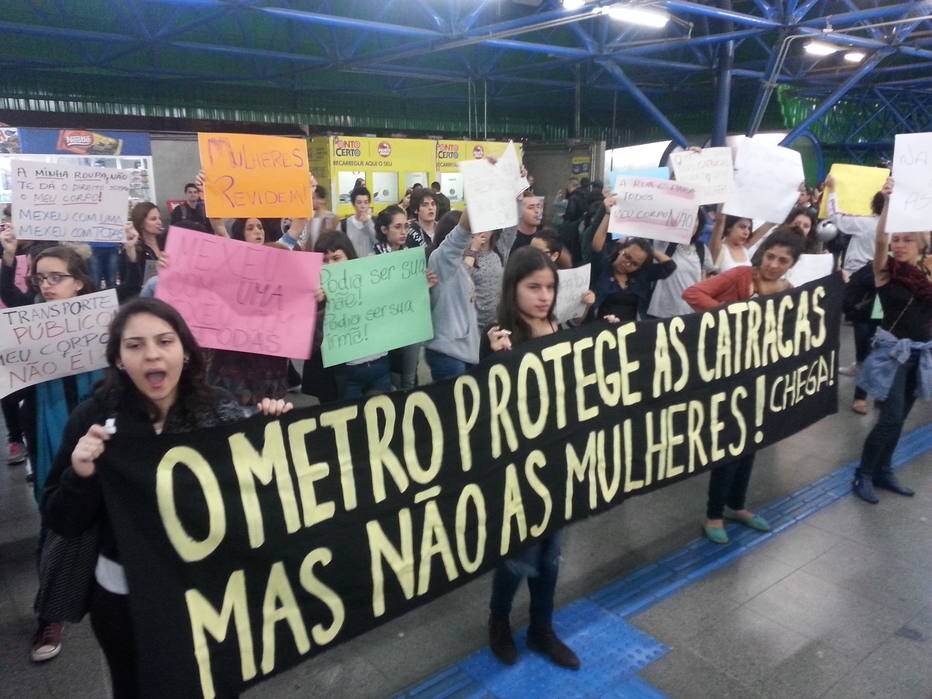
column 259, row 176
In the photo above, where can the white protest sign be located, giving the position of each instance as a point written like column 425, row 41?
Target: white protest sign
column 651, row 208
column 710, row 172
column 573, row 284
column 66, row 202
column 809, row 268
column 490, row 191
column 911, row 201
column 767, row 180
column 49, row 340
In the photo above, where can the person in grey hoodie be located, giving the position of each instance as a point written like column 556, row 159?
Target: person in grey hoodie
column 455, row 347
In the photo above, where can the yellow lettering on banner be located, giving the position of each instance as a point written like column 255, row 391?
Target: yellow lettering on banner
column 532, row 428
column 555, row 354
column 696, row 422
column 627, row 366
column 655, row 446
column 381, row 457
column 401, row 562
column 583, row 412
column 464, row 422
column 308, row 474
column 739, row 394
column 205, row 619
column 582, row 469
column 514, row 509
column 663, row 366
column 470, row 495
column 723, row 347
column 609, row 381
column 752, row 350
column 716, row 425
column 738, row 311
column 770, row 353
column 499, row 393
column 434, row 541
column 420, row 402
column 321, row 634
column 674, row 439
column 609, row 488
column 706, row 322
column 802, row 331
column 272, row 463
column 279, row 604
column 337, row 421
column 535, row 460
column 677, row 325
column 189, row 548
column 817, row 295
column 785, row 346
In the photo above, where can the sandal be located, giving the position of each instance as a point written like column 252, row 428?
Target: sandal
column 859, row 406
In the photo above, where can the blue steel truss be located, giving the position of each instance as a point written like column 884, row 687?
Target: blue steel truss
column 714, row 68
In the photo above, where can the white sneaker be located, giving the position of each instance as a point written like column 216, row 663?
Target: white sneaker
column 47, row 642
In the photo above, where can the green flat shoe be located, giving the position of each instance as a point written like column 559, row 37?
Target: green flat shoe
column 716, row 535
column 756, row 522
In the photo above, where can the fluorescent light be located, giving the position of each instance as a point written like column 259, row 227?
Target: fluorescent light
column 820, row 48
column 638, row 15
column 573, row 4
column 854, row 56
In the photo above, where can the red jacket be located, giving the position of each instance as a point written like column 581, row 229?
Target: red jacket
column 734, row 285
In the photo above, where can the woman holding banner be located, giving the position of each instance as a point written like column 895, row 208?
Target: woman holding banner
column 899, row 369
column 58, row 273
column 728, row 483
column 154, row 383
column 529, row 296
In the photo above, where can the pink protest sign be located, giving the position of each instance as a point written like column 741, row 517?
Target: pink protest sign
column 242, row 296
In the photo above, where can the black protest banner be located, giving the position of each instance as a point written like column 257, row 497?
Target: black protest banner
column 253, row 546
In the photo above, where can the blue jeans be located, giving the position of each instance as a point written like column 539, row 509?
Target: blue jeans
column 863, row 334
column 882, row 440
column 103, row 265
column 540, row 564
column 443, row 366
column 356, row 380
column 728, row 485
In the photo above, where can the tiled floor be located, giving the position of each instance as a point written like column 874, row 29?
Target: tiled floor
column 836, row 605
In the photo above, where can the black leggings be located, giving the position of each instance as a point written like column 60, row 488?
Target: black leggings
column 113, row 628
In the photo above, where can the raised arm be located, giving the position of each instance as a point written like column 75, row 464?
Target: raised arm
column 759, row 233
column 598, row 238
column 881, row 273
column 715, row 238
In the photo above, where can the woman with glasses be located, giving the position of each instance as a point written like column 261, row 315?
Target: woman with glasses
column 626, row 284
column 58, row 273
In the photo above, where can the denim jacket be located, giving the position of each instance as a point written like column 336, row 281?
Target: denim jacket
column 889, row 353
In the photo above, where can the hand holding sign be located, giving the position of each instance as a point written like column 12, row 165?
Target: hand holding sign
column 491, row 188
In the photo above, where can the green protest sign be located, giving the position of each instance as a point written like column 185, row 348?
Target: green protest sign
column 375, row 304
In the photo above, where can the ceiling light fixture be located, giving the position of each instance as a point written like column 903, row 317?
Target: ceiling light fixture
column 573, row 4
column 854, row 56
column 638, row 15
column 820, row 48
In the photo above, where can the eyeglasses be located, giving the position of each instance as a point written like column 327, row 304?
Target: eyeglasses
column 53, row 278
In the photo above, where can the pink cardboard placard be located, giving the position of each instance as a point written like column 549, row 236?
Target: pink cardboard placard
column 242, row 296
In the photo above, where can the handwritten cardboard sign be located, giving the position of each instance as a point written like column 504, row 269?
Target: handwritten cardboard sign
column 374, row 304
column 855, row 186
column 490, row 190
column 53, row 339
column 573, row 284
column 651, row 208
column 710, row 172
column 66, row 202
column 911, row 201
column 242, row 296
column 657, row 173
column 809, row 268
column 261, row 176
column 767, row 180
